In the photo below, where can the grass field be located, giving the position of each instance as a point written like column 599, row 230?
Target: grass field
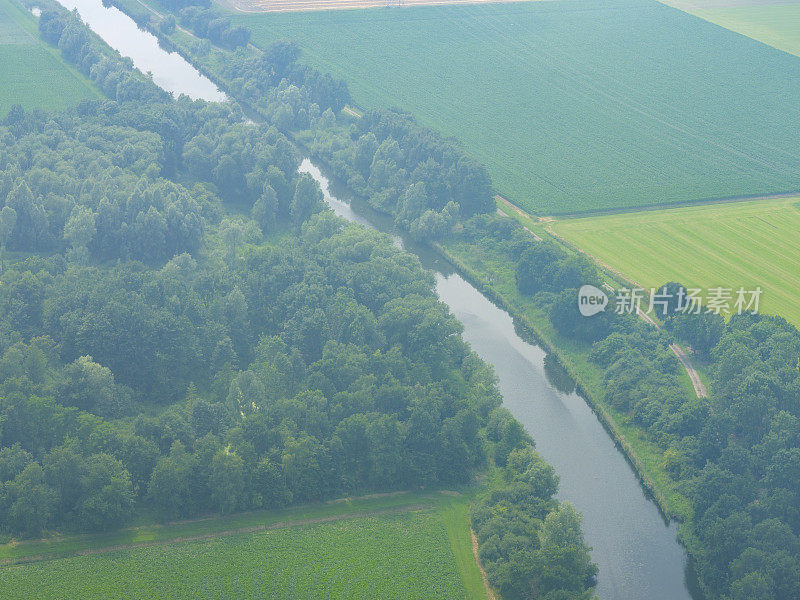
column 405, row 546
column 31, row 73
column 776, row 23
column 729, row 245
column 574, row 105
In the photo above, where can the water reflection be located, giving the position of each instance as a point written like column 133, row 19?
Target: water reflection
column 557, row 375
column 168, row 69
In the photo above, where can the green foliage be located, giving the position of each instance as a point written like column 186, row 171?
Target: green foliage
column 317, row 366
column 530, row 546
column 425, row 182
column 206, row 23
column 115, row 77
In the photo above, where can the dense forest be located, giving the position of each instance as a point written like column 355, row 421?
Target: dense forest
column 154, row 334
column 185, row 327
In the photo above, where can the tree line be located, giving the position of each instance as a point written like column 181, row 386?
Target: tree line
column 530, row 545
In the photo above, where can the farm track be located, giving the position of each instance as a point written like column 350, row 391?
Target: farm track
column 9, row 562
column 685, row 360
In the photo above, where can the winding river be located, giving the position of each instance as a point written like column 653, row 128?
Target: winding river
column 637, row 552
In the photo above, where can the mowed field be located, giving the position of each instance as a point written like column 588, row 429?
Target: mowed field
column 31, row 73
column 729, row 245
column 413, row 552
column 774, row 22
column 574, row 105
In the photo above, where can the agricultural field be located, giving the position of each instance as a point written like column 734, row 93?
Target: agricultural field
column 574, row 105
column 774, row 22
column 404, row 552
column 32, row 73
column 729, row 245
column 257, row 6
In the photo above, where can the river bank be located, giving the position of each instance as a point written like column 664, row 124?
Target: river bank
column 642, row 454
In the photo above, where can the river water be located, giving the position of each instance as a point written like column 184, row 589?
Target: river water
column 637, row 552
column 168, row 69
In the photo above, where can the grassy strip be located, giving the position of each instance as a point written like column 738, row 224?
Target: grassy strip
column 153, row 533
column 455, row 518
column 494, row 277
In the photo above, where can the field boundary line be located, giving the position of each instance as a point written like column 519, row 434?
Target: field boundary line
column 603, row 212
column 489, row 591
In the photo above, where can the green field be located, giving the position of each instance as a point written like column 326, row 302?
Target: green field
column 32, row 73
column 777, row 24
column 403, row 547
column 574, row 105
column 728, row 245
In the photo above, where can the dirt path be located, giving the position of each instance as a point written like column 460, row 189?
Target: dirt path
column 216, row 534
column 489, row 592
column 699, row 387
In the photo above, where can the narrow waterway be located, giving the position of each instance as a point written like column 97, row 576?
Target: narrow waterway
column 168, row 69
column 638, row 554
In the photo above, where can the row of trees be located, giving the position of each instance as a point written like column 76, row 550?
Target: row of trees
column 206, row 23
column 113, row 75
column 426, row 182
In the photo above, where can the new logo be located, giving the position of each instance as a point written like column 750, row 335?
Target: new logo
column 591, row 300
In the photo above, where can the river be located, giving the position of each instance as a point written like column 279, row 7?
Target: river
column 637, row 552
column 168, row 69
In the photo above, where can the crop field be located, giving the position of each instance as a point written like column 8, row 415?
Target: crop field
column 729, row 245
column 31, row 73
column 298, row 5
column 774, row 22
column 574, row 105
column 412, row 551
